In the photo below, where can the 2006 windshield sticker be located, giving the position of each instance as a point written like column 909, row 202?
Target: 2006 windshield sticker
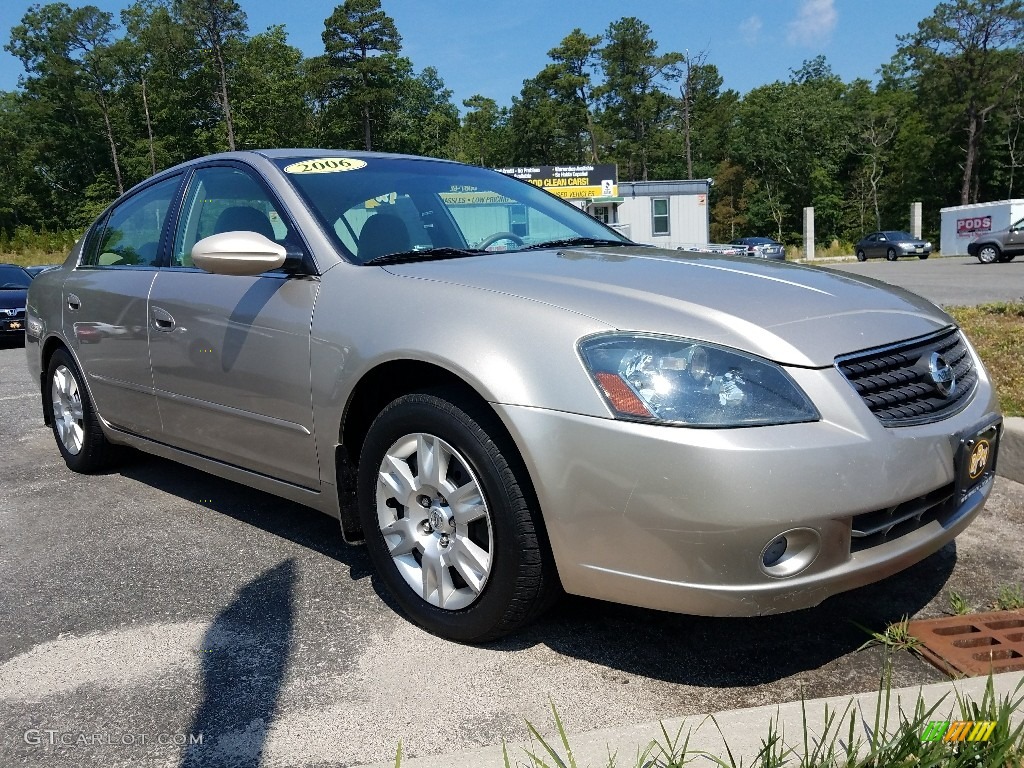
column 325, row 165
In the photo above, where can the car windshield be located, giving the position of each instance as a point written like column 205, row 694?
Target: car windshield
column 380, row 207
column 899, row 236
column 14, row 278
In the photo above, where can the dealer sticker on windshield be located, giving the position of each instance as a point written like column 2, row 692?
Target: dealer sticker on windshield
column 325, row 165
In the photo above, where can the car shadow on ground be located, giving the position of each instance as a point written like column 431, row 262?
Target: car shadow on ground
column 276, row 516
column 675, row 648
column 732, row 652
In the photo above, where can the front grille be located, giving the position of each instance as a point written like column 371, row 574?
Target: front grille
column 897, row 386
column 873, row 528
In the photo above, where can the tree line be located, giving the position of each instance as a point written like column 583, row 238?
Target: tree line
column 103, row 103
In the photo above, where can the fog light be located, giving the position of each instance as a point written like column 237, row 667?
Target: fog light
column 774, row 551
column 790, row 552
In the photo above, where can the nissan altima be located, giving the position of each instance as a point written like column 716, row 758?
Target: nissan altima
column 504, row 398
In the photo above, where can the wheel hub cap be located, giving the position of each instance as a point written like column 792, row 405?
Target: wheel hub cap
column 435, row 521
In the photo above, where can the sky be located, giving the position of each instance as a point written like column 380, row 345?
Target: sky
column 491, row 46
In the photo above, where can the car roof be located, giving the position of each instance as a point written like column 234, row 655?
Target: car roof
column 284, row 154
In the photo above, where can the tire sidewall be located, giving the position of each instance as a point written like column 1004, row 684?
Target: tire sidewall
column 891, row 255
column 861, row 256
column 432, row 415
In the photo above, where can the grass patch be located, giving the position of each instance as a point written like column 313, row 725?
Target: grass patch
column 958, row 605
column 31, row 258
column 1010, row 598
column 997, row 332
column 889, row 736
column 26, row 247
column 896, row 637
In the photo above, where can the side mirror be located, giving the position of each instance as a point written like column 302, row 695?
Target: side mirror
column 238, row 253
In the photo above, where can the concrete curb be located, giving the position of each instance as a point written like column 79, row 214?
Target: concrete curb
column 1010, row 462
column 744, row 729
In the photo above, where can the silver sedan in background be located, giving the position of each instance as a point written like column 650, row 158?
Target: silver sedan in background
column 890, row 245
column 503, row 398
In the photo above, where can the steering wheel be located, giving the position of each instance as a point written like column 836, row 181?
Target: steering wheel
column 489, row 241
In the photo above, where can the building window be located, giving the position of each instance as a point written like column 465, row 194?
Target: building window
column 659, row 216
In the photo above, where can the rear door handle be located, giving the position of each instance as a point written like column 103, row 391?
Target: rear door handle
column 162, row 319
column 74, row 302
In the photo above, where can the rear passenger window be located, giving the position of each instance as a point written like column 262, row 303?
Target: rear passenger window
column 131, row 235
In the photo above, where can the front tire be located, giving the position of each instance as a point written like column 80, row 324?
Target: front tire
column 891, row 254
column 73, row 418
column 450, row 521
column 988, row 254
column 861, row 256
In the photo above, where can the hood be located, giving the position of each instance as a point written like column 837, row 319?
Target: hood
column 10, row 299
column 789, row 313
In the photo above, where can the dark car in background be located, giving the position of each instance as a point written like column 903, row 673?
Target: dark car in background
column 891, row 244
column 36, row 269
column 14, row 282
column 762, row 247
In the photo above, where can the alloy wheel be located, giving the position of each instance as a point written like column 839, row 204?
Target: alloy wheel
column 435, row 521
column 68, row 414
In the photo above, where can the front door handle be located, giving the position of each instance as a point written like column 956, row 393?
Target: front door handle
column 162, row 319
column 74, row 302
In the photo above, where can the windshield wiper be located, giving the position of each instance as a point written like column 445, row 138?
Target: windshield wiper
column 425, row 255
column 570, row 242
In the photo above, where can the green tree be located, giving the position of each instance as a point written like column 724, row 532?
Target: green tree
column 67, row 52
column 271, row 108
column 218, row 25
column 569, row 81
column 482, row 135
column 966, row 57
column 633, row 97
column 362, row 46
column 423, row 119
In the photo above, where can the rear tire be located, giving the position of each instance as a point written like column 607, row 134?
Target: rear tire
column 73, row 418
column 891, row 255
column 861, row 256
column 989, row 254
column 450, row 521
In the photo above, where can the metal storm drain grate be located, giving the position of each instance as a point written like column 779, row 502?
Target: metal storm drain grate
column 973, row 645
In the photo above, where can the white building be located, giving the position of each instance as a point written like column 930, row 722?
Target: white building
column 663, row 213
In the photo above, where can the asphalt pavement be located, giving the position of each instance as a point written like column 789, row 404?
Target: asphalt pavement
column 950, row 281
column 157, row 616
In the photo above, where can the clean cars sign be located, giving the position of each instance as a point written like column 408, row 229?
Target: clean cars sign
column 569, row 181
column 973, row 226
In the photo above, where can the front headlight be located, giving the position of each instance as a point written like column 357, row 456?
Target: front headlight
column 690, row 383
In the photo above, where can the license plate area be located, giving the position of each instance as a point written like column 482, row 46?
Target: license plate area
column 976, row 458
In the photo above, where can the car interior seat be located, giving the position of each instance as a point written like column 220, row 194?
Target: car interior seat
column 244, row 218
column 383, row 233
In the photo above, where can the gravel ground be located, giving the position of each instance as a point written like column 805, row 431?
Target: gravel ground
column 155, row 603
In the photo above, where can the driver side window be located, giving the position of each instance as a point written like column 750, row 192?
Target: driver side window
column 225, row 199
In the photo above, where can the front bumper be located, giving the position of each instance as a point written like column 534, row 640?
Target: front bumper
column 678, row 519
